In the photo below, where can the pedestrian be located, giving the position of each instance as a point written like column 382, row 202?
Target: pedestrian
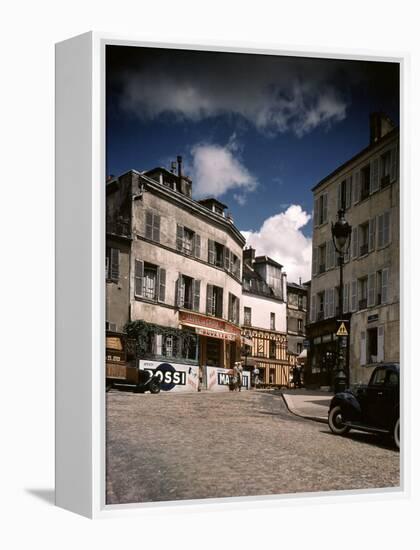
column 296, row 377
column 240, row 371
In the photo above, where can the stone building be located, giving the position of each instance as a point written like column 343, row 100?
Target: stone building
column 264, row 296
column 367, row 188
column 297, row 300
column 175, row 266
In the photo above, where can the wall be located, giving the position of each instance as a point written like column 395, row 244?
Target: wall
column 261, row 308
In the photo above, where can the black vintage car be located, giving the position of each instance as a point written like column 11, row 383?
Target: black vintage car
column 374, row 407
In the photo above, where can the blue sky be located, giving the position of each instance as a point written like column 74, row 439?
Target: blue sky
column 257, row 132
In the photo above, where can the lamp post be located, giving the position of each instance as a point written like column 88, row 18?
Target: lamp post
column 341, row 233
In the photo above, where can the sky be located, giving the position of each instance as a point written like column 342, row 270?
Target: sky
column 255, row 131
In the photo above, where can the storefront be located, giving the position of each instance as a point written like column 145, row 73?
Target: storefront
column 322, row 357
column 219, row 342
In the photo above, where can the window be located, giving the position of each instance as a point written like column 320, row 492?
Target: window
column 363, row 239
column 187, row 241
column 214, row 301
column 323, row 208
column 221, row 256
column 247, row 316
column 272, row 349
column 372, row 348
column 300, row 301
column 299, row 347
column 331, row 255
column 188, row 292
column 364, row 182
column 112, row 327
column 233, row 309
column 274, row 280
column 149, row 281
column 272, row 321
column 321, row 258
column 300, row 325
column 112, row 264
column 385, row 169
column 152, row 230
column 363, row 287
column 235, row 265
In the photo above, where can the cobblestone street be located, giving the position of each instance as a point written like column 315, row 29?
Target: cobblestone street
column 191, row 446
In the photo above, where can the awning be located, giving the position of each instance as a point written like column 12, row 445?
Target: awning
column 214, row 333
column 303, row 354
column 246, row 341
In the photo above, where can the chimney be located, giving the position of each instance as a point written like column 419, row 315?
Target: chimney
column 249, row 255
column 380, row 125
column 179, row 161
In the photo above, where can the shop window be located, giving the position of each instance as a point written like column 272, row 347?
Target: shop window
column 213, row 354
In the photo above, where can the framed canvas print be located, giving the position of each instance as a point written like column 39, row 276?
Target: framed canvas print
column 228, row 274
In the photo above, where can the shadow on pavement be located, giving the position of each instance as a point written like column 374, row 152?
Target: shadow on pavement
column 381, row 441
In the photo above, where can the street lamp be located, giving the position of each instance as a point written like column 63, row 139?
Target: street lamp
column 341, row 233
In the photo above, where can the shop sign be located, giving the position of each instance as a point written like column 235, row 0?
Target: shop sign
column 201, row 321
column 173, row 376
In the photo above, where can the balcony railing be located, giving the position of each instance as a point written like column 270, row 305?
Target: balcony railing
column 321, row 268
column 379, row 299
column 363, row 303
column 320, row 316
column 385, row 180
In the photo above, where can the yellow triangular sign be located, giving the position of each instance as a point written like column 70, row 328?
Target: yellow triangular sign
column 342, row 331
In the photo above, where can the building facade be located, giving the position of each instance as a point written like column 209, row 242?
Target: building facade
column 367, row 188
column 180, row 269
column 297, row 304
column 264, row 329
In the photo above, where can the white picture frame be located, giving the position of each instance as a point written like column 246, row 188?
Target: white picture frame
column 80, row 291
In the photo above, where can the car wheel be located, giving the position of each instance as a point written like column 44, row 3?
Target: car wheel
column 154, row 387
column 397, row 434
column 335, row 421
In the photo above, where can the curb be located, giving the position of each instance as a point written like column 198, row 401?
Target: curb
column 320, row 419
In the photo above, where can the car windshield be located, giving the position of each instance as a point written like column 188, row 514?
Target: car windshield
column 379, row 376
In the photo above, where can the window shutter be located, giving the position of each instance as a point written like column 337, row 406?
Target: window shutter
column 374, row 175
column 354, row 295
column 394, row 163
column 179, row 236
column 387, row 228
column 349, row 185
column 381, row 342
column 115, row 264
column 333, row 302
column 384, row 285
column 363, row 347
column 325, row 208
column 339, row 191
column 380, row 225
column 313, row 313
column 230, row 307
column 371, row 290
column 237, row 312
column 356, row 187
column 355, row 242
column 372, row 224
column 219, row 306
column 314, row 260
column 212, row 252
column 161, row 284
column 149, row 225
column 107, row 266
column 327, row 307
column 316, row 212
column 210, row 299
column 156, row 228
column 346, row 298
column 196, row 295
column 197, row 246
column 158, row 344
column 226, row 253
column 138, row 275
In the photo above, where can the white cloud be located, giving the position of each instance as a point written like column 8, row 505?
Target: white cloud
column 275, row 97
column 215, row 170
column 281, row 238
